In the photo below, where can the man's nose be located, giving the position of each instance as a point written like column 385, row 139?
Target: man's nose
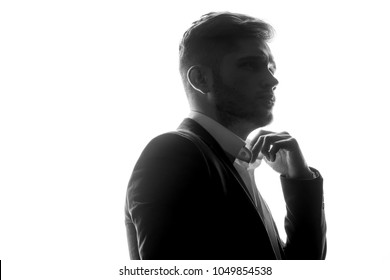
column 275, row 82
column 270, row 81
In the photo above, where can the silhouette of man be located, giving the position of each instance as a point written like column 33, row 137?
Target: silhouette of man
column 192, row 194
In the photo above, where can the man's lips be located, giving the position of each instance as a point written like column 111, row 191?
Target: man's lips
column 268, row 99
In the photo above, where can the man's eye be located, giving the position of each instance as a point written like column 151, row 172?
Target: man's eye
column 249, row 65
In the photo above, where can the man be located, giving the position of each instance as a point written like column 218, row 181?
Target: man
column 192, row 194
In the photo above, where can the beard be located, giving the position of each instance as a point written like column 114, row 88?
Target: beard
column 233, row 107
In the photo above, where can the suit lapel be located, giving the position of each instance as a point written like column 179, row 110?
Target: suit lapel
column 227, row 160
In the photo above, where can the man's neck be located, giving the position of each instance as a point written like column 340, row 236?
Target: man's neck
column 240, row 129
column 237, row 126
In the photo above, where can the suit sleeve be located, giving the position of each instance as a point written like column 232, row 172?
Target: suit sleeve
column 305, row 223
column 166, row 175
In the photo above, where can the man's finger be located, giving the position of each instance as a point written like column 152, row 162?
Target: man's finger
column 269, row 141
column 265, row 143
column 257, row 136
column 276, row 146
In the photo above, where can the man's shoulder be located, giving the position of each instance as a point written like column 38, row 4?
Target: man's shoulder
column 172, row 145
column 169, row 162
column 170, row 141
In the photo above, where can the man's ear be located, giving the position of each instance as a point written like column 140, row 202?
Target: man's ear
column 199, row 78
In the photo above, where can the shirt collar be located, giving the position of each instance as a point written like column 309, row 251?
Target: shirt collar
column 230, row 142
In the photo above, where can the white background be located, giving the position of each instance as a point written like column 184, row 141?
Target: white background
column 86, row 84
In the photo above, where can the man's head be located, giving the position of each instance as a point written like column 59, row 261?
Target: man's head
column 227, row 68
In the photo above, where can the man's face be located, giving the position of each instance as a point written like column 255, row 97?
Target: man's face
column 245, row 83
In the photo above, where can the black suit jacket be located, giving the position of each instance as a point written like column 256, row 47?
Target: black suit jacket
column 185, row 200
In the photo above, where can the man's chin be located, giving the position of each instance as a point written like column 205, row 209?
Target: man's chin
column 255, row 121
column 263, row 120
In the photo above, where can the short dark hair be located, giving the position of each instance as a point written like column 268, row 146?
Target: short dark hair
column 216, row 34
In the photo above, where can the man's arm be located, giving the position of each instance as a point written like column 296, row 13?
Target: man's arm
column 305, row 220
column 160, row 195
column 303, row 192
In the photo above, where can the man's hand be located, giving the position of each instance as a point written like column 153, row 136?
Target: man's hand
column 282, row 153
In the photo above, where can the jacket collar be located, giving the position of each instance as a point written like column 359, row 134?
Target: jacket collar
column 228, row 160
column 228, row 140
column 192, row 126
